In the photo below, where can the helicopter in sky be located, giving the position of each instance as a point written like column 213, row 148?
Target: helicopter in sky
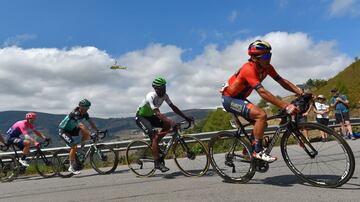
column 116, row 66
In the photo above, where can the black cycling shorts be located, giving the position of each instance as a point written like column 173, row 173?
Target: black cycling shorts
column 68, row 137
column 147, row 124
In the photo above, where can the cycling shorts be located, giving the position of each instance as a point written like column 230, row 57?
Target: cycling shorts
column 69, row 137
column 147, row 124
column 17, row 141
column 237, row 106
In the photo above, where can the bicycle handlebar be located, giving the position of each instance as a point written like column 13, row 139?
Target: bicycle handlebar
column 101, row 134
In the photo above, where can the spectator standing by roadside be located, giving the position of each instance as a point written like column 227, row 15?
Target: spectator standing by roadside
column 341, row 105
column 322, row 110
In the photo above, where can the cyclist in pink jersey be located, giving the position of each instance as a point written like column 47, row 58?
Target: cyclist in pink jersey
column 244, row 81
column 18, row 135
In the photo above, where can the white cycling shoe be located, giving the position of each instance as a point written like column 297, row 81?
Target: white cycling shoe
column 73, row 171
column 265, row 157
column 24, row 163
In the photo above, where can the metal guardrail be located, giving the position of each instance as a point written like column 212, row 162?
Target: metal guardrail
column 121, row 145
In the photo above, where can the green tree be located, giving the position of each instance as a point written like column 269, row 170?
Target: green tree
column 262, row 103
column 274, row 109
column 218, row 120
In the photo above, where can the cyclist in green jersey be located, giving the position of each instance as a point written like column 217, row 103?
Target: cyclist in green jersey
column 148, row 117
column 71, row 126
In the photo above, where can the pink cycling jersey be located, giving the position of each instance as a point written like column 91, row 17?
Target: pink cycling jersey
column 20, row 128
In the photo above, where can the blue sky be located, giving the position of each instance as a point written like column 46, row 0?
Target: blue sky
column 61, row 50
column 121, row 26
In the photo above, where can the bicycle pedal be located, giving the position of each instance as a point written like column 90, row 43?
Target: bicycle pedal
column 230, row 164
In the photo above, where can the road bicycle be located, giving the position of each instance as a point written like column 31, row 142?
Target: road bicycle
column 320, row 163
column 11, row 168
column 189, row 153
column 103, row 158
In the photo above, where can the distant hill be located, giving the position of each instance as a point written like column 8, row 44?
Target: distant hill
column 348, row 83
column 119, row 128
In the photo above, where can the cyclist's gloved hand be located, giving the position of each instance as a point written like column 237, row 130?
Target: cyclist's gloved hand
column 47, row 139
column 37, row 144
column 292, row 109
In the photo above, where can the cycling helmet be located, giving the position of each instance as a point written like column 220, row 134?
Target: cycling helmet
column 30, row 115
column 84, row 103
column 159, row 82
column 259, row 47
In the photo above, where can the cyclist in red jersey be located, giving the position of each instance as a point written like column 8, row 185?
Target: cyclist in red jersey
column 244, row 81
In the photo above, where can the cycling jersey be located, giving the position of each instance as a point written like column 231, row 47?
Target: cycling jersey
column 250, row 77
column 150, row 102
column 20, row 128
column 71, row 122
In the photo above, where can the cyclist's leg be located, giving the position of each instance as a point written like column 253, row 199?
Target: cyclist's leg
column 250, row 111
column 19, row 143
column 85, row 135
column 67, row 137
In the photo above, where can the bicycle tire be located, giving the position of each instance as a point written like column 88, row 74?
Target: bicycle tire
column 9, row 169
column 104, row 156
column 238, row 165
column 333, row 155
column 62, row 163
column 45, row 167
column 139, row 158
column 191, row 156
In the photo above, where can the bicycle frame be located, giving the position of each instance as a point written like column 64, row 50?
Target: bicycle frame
column 37, row 152
column 286, row 125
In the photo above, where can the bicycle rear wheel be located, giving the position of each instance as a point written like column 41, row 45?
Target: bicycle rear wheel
column 45, row 165
column 9, row 168
column 104, row 159
column 231, row 157
column 62, row 163
column 191, row 156
column 322, row 164
column 139, row 158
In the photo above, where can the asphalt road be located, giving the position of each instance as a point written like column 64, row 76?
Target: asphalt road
column 278, row 184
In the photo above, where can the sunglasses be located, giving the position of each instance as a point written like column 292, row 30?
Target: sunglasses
column 265, row 56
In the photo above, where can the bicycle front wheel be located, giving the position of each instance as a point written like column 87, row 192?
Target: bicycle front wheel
column 9, row 168
column 104, row 159
column 139, row 158
column 231, row 157
column 322, row 163
column 191, row 156
column 62, row 163
column 44, row 165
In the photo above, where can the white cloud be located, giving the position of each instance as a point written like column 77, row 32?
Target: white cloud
column 53, row 80
column 345, row 7
column 233, row 15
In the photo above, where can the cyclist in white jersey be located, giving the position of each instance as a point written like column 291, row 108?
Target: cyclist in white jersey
column 148, row 117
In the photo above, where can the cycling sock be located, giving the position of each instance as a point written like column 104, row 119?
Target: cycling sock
column 23, row 157
column 72, row 163
column 257, row 143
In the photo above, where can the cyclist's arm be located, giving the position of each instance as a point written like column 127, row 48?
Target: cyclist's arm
column 162, row 117
column 39, row 134
column 289, row 86
column 92, row 124
column 178, row 111
column 266, row 95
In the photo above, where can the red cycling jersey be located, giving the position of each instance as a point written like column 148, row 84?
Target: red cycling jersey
column 250, row 77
